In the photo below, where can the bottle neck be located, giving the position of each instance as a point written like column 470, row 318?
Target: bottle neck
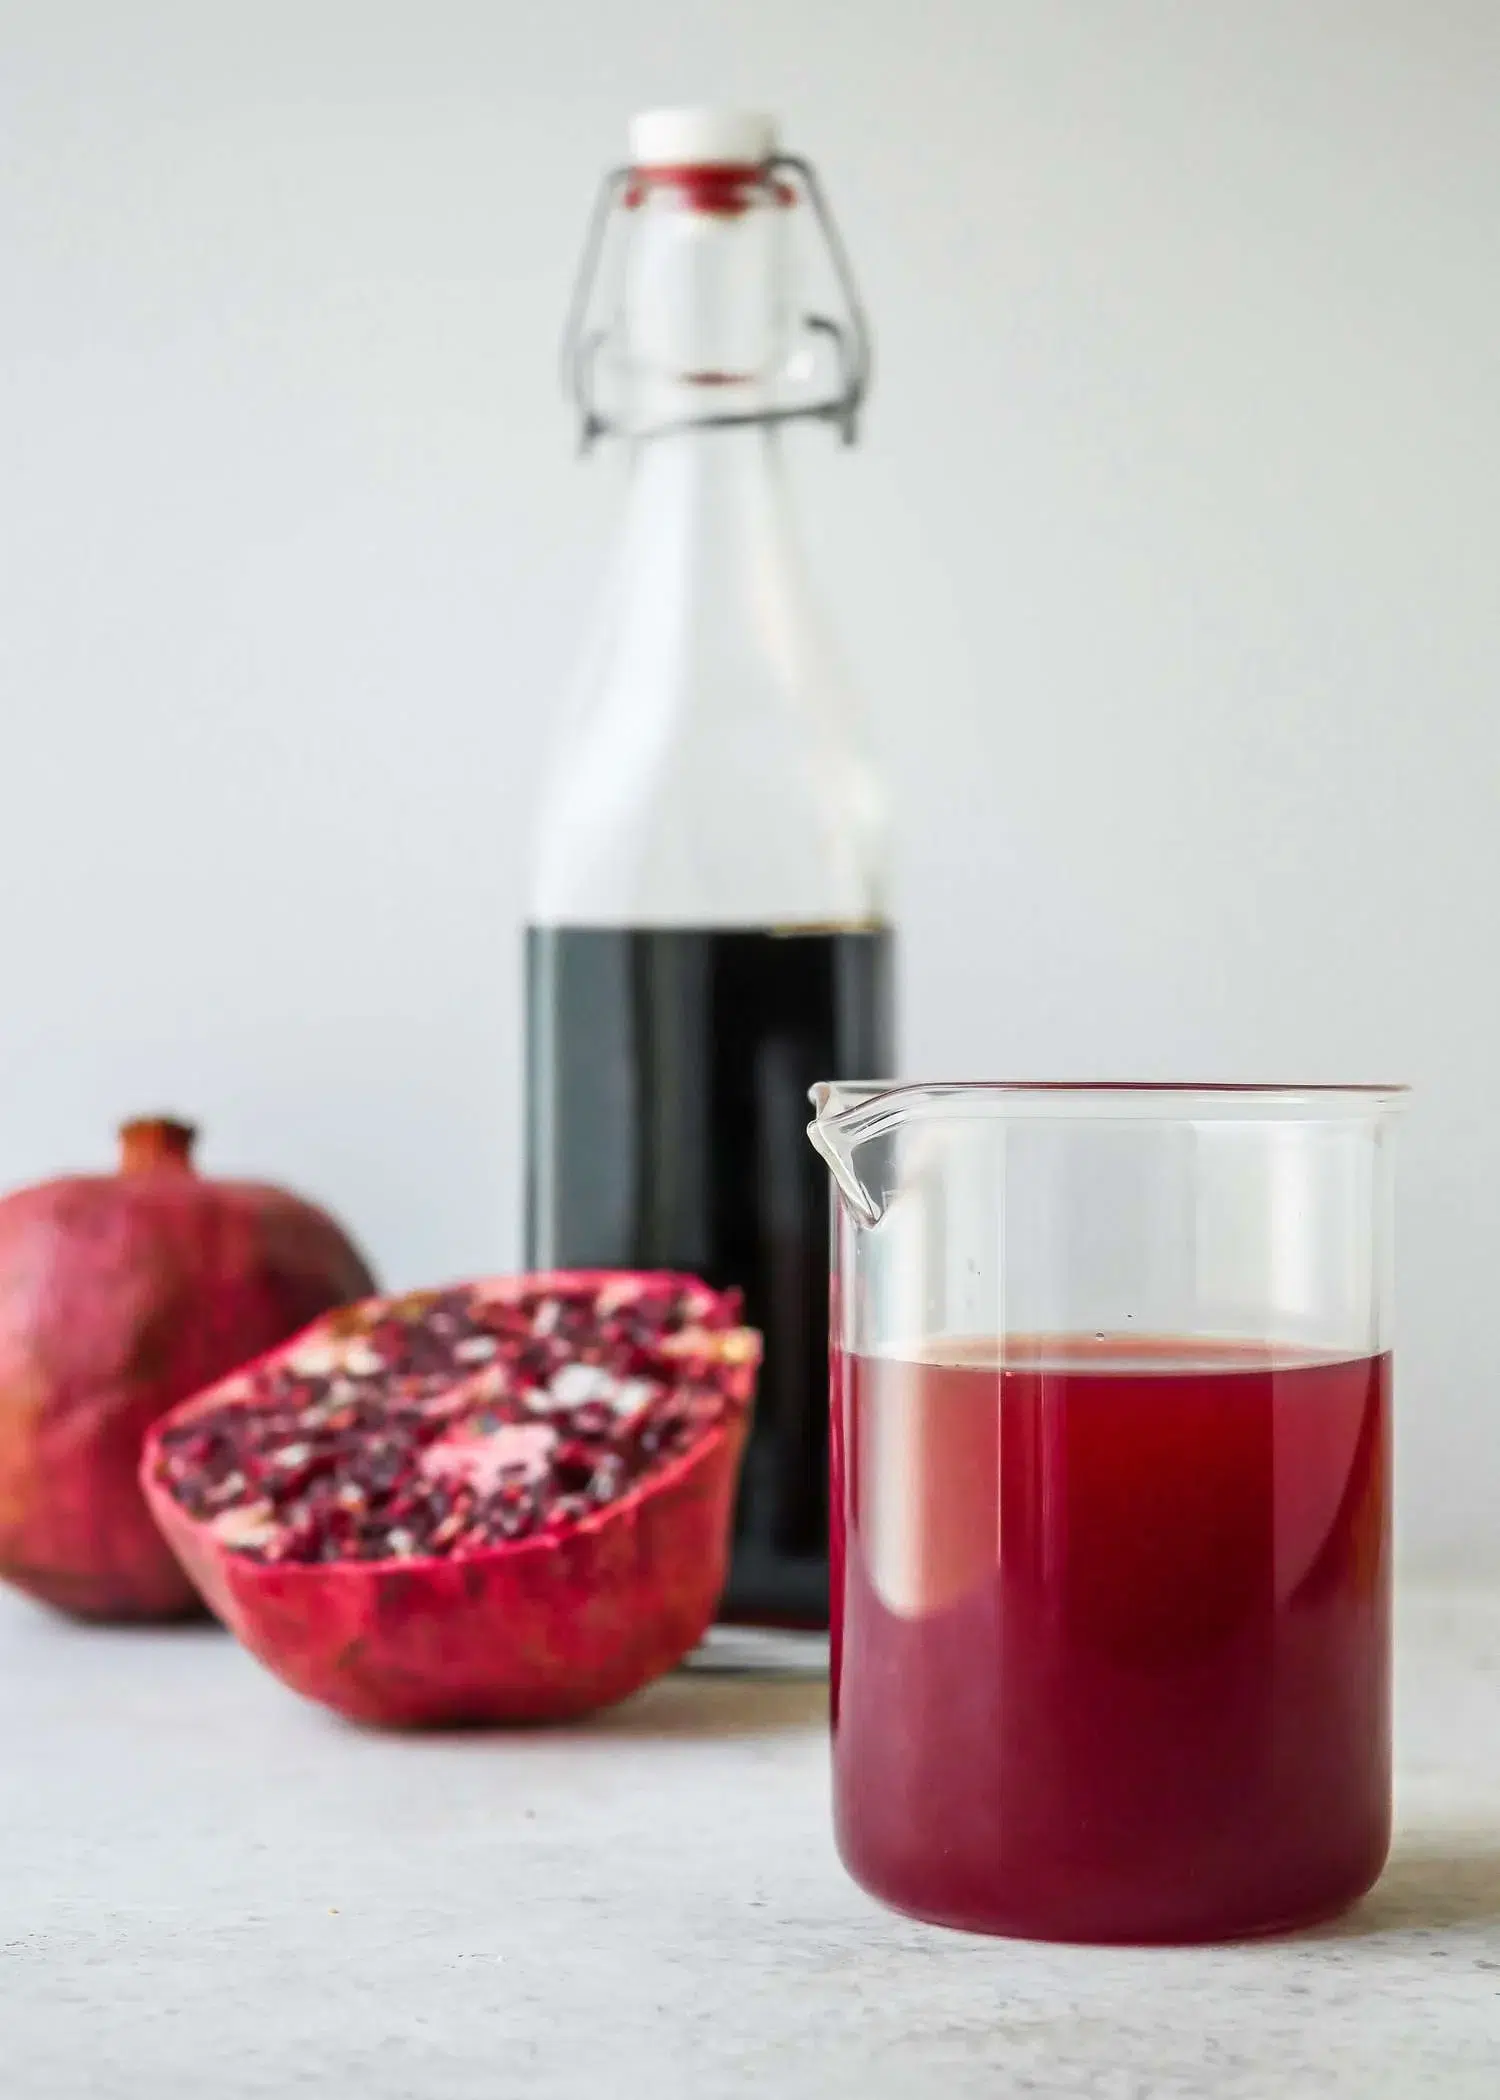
column 714, row 775
column 704, row 318
column 706, row 513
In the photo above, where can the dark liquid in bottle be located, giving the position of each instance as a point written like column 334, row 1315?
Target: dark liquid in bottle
column 667, row 1078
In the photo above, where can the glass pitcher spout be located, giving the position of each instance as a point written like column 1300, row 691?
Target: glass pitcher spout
column 848, row 1113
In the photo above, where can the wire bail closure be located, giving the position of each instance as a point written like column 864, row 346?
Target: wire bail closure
column 850, row 337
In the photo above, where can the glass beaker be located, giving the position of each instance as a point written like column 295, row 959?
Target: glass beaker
column 1111, row 1546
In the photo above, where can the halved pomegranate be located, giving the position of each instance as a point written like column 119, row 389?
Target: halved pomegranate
column 508, row 1500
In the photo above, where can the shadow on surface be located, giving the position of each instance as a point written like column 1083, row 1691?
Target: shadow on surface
column 58, row 1630
column 1437, row 1881
column 693, row 1703
column 681, row 1707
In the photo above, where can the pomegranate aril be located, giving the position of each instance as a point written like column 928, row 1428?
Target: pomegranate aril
column 608, row 1480
column 334, row 1448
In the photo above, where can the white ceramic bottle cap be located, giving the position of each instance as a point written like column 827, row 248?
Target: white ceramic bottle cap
column 701, row 137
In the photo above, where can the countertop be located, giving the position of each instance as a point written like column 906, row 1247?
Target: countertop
column 212, row 1888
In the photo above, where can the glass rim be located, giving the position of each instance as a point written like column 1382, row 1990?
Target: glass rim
column 1165, row 1100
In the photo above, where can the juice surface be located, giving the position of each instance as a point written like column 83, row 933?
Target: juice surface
column 1111, row 1634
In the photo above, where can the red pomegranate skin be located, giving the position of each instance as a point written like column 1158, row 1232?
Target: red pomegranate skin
column 540, row 1629
column 120, row 1294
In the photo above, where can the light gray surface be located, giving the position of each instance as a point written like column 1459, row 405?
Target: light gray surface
column 211, row 1888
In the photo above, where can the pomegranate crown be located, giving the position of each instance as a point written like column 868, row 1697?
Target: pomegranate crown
column 155, row 1141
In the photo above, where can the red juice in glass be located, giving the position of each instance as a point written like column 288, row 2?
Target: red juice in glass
column 1111, row 1633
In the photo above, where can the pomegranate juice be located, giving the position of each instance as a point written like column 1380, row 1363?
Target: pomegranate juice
column 1111, row 1634
column 667, row 1078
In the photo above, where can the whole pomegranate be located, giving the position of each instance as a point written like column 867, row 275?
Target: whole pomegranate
column 506, row 1500
column 119, row 1295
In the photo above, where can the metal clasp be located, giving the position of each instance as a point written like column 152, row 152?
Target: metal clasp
column 850, row 337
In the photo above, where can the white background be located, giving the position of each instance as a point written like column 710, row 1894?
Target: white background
column 1169, row 569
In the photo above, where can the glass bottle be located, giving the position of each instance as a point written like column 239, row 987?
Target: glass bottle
column 708, row 934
